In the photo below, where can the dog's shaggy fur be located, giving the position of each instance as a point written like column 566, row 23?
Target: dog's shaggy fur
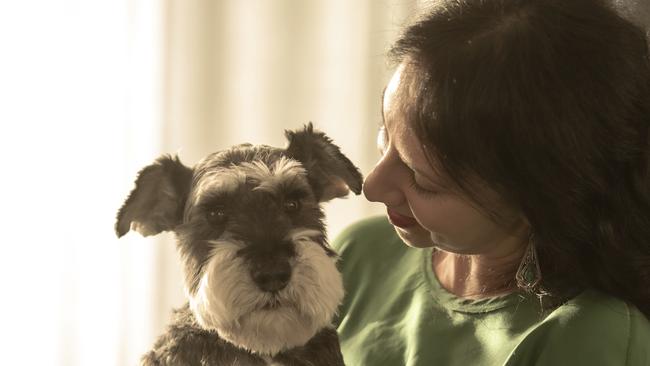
column 260, row 278
column 186, row 343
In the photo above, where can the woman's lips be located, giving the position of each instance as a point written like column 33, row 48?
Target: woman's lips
column 400, row 220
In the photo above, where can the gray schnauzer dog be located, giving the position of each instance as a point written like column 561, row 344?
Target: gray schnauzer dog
column 260, row 277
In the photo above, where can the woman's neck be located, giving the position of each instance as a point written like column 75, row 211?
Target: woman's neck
column 479, row 275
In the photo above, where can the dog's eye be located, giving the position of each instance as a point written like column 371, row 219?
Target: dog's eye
column 291, row 206
column 216, row 216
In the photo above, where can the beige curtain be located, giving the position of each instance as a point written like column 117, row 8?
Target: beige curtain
column 81, row 112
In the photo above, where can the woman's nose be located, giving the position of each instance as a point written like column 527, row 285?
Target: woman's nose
column 383, row 183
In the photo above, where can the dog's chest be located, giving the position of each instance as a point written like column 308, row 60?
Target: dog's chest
column 269, row 362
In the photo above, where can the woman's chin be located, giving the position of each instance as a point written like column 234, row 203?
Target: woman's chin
column 415, row 236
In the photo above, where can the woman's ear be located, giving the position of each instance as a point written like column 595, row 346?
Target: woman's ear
column 330, row 173
column 156, row 203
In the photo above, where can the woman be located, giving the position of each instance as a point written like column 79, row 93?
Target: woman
column 515, row 155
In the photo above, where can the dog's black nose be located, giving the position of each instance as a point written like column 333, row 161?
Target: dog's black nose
column 272, row 278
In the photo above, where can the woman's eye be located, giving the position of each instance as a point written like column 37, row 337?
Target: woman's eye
column 382, row 140
column 292, row 206
column 423, row 191
column 216, row 216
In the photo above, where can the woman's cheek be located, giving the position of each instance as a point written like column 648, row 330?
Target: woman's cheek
column 432, row 216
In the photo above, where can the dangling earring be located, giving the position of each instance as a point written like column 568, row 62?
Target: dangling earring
column 529, row 275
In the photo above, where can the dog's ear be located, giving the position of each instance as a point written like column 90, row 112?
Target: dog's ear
column 329, row 172
column 156, row 203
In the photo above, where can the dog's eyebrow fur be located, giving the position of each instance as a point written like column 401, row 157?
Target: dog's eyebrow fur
column 283, row 176
column 283, row 173
column 282, row 168
column 222, row 180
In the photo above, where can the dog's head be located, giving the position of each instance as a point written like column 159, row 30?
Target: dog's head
column 250, row 231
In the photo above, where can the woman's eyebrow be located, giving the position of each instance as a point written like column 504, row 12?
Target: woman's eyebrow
column 410, row 165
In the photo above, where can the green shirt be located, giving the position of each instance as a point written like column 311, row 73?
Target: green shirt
column 395, row 313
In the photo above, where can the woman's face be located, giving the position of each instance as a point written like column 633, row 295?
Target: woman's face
column 423, row 210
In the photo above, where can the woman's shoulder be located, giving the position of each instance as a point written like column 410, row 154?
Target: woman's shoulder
column 591, row 329
column 373, row 239
column 365, row 228
column 379, row 274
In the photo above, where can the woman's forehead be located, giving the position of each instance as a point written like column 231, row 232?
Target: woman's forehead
column 391, row 88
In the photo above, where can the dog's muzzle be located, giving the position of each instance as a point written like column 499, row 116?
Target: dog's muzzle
column 272, row 277
column 271, row 305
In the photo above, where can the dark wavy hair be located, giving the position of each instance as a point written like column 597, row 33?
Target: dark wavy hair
column 547, row 102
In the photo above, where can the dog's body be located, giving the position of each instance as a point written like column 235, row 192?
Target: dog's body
column 186, row 343
column 260, row 277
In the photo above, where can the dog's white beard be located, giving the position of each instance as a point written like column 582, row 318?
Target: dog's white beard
column 229, row 302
